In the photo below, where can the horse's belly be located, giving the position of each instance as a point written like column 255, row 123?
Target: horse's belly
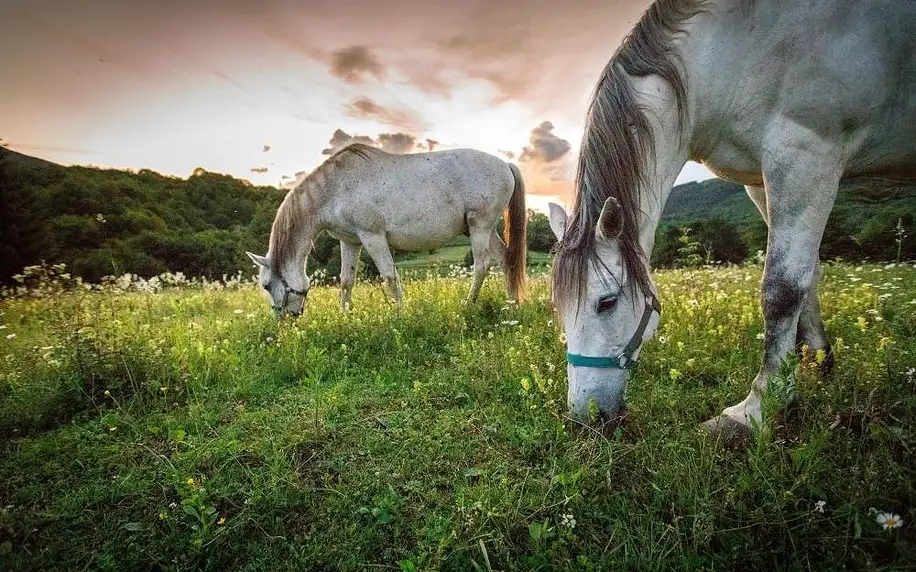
column 418, row 238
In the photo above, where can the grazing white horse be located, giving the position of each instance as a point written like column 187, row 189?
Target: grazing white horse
column 787, row 98
column 364, row 196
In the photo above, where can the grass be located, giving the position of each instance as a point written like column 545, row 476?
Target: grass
column 189, row 429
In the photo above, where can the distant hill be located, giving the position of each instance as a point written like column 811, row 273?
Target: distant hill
column 107, row 221
column 717, row 197
column 862, row 223
column 713, row 197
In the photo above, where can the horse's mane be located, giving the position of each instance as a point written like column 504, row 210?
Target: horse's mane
column 293, row 213
column 616, row 140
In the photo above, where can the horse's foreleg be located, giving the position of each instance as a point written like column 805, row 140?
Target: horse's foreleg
column 802, row 173
column 480, row 243
column 377, row 247
column 349, row 257
column 810, row 331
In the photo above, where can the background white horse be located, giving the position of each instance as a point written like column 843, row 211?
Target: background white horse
column 363, row 196
column 787, row 98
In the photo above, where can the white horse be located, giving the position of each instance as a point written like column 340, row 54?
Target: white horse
column 787, row 98
column 363, row 196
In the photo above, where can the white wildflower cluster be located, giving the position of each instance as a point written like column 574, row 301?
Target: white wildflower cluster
column 43, row 281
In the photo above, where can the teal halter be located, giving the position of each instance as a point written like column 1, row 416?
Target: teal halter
column 288, row 291
column 625, row 358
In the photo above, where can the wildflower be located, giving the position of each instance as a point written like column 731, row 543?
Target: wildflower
column 888, row 520
column 526, row 383
column 674, row 374
column 760, row 336
column 237, row 311
column 2, row 326
column 568, row 520
column 221, row 521
column 11, row 336
column 691, row 362
column 862, row 323
column 190, row 481
column 107, row 393
column 819, row 357
column 819, row 506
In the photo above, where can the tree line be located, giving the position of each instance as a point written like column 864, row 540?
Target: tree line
column 108, row 222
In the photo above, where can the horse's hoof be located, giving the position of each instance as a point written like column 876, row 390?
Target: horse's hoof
column 723, row 429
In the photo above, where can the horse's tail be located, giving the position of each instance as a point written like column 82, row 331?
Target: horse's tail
column 515, row 230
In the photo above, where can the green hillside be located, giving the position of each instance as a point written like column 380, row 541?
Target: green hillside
column 863, row 223
column 108, row 222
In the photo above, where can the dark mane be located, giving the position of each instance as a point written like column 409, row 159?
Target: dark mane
column 291, row 218
column 616, row 140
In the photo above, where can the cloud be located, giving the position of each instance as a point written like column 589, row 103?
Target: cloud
column 266, row 148
column 508, row 154
column 341, row 139
column 259, row 170
column 545, row 146
column 366, row 108
column 352, row 64
column 397, row 142
column 431, row 144
column 390, row 142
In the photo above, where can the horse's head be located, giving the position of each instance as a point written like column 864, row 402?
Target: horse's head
column 285, row 291
column 605, row 321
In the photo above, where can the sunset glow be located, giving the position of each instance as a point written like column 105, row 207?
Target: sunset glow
column 258, row 90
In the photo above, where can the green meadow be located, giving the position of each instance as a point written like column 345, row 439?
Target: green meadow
column 168, row 425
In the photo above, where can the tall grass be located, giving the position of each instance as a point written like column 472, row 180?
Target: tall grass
column 186, row 428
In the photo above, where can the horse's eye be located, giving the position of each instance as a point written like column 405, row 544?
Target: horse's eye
column 606, row 303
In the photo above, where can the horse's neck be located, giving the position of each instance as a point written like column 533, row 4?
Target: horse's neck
column 671, row 153
column 301, row 236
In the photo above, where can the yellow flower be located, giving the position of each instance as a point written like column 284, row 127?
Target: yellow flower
column 862, row 323
column 221, row 521
column 674, row 374
column 526, row 383
column 819, row 356
column 190, row 482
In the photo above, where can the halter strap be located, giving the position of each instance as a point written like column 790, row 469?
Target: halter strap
column 625, row 358
column 289, row 290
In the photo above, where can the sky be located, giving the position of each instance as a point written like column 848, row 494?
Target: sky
column 263, row 90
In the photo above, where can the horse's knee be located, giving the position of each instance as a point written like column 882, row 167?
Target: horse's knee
column 784, row 293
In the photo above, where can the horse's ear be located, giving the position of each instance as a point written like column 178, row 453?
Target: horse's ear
column 259, row 260
column 557, row 220
column 610, row 222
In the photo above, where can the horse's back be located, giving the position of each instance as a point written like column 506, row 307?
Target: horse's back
column 844, row 71
column 420, row 200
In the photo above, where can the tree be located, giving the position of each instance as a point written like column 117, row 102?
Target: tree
column 540, row 237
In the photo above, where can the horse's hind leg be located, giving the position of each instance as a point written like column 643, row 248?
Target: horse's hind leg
column 377, row 247
column 480, row 248
column 498, row 251
column 802, row 172
column 349, row 257
column 810, row 330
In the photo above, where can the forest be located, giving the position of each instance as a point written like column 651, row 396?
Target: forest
column 107, row 222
